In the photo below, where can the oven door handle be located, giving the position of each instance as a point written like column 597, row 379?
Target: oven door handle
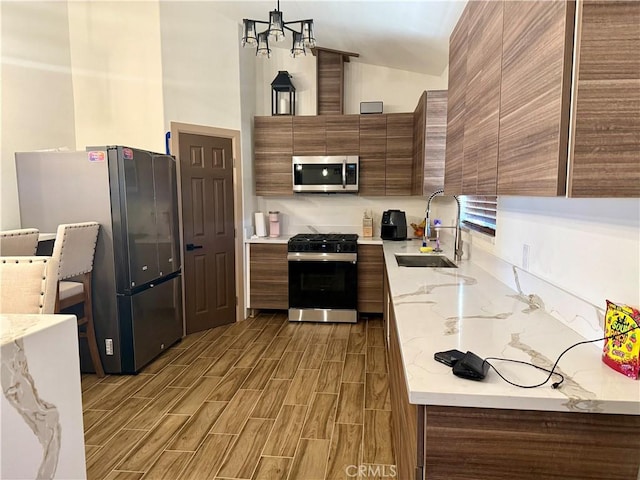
column 344, row 173
column 322, row 257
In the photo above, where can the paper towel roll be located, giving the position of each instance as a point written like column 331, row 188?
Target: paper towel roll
column 261, row 227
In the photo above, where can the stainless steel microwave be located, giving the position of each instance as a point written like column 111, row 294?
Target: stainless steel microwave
column 326, row 174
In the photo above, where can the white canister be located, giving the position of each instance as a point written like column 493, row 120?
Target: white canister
column 261, row 226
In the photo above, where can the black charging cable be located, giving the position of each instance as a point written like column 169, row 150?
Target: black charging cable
column 552, row 371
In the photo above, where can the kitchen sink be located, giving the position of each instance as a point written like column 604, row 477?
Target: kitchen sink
column 439, row 261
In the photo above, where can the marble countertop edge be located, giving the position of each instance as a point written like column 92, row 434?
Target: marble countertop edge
column 16, row 326
column 504, row 402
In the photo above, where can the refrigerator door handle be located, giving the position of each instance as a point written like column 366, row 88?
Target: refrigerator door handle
column 191, row 247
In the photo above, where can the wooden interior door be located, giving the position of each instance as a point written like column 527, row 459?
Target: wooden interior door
column 207, row 210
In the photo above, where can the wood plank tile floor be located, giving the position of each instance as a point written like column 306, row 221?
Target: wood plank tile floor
column 259, row 399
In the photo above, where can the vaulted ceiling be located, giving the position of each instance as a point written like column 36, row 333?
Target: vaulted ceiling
column 409, row 35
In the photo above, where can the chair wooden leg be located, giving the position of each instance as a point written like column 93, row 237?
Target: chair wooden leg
column 56, row 308
column 91, row 333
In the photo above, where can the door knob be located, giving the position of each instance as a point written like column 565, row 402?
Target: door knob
column 191, row 246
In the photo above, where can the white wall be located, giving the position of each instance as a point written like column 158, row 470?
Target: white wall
column 200, row 65
column 77, row 74
column 117, row 74
column 303, row 76
column 248, row 111
column 37, row 94
column 399, row 90
column 590, row 247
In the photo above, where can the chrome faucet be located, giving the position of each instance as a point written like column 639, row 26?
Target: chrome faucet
column 457, row 243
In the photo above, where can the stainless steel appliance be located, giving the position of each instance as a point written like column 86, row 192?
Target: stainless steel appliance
column 132, row 193
column 393, row 225
column 330, row 174
column 323, row 278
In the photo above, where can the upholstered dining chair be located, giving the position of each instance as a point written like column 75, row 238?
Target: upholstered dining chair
column 19, row 242
column 28, row 284
column 74, row 249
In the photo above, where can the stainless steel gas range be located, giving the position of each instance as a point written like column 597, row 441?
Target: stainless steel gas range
column 323, row 278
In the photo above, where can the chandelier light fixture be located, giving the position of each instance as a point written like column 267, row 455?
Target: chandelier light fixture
column 302, row 36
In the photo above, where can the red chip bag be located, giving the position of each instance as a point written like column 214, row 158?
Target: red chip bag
column 622, row 352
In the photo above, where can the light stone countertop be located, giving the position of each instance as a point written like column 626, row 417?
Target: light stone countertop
column 41, row 403
column 17, row 326
column 285, row 238
column 467, row 308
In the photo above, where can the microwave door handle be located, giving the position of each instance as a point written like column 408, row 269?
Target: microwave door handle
column 344, row 173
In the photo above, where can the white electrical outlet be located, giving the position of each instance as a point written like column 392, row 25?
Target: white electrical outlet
column 526, row 251
column 109, row 345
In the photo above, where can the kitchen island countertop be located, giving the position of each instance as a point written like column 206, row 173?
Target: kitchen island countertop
column 468, row 309
column 42, row 434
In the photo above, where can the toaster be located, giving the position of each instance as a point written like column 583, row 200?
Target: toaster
column 393, row 225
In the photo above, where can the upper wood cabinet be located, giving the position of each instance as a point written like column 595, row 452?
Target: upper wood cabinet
column 309, row 135
column 343, row 134
column 400, row 153
column 456, row 105
column 522, row 114
column 534, row 98
column 273, row 148
column 474, row 100
column 429, row 141
column 399, row 160
column 482, row 100
column 373, row 154
column 606, row 152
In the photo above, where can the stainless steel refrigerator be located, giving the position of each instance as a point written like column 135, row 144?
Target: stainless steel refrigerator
column 132, row 193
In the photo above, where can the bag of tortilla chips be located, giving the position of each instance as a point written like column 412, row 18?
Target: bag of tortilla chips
column 622, row 352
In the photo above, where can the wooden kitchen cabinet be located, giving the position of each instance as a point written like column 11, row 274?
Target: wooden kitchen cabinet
column 400, row 153
column 342, row 134
column 534, row 98
column 273, row 147
column 456, row 105
column 406, row 434
column 429, row 142
column 373, row 155
column 482, row 99
column 511, row 92
column 606, row 153
column 474, row 100
column 370, row 278
column 309, row 135
column 268, row 276
column 399, row 156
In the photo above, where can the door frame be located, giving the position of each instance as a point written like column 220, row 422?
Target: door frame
column 176, row 129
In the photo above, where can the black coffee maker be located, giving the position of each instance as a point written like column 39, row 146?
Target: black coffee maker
column 393, row 225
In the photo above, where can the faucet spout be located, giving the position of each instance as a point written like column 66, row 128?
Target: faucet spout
column 427, row 226
column 457, row 243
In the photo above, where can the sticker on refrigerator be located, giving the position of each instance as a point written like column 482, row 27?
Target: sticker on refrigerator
column 127, row 154
column 96, row 156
